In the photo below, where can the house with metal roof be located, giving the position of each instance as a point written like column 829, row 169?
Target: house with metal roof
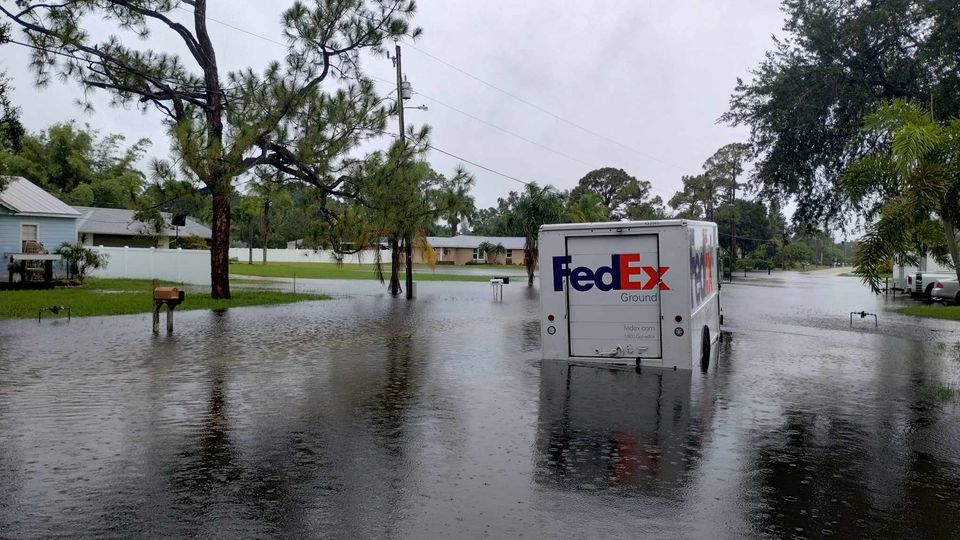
column 33, row 222
column 118, row 227
column 463, row 249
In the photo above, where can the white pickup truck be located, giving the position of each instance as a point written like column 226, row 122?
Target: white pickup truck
column 924, row 282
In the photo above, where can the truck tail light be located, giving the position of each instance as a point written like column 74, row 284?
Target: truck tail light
column 910, row 280
column 550, row 317
column 938, row 285
column 678, row 318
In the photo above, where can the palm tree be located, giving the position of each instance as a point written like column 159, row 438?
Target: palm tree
column 454, row 202
column 910, row 190
column 498, row 251
column 274, row 200
column 396, row 201
column 245, row 217
column 535, row 207
column 491, row 252
column 484, row 249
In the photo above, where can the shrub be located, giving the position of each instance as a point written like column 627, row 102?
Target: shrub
column 193, row 241
column 80, row 259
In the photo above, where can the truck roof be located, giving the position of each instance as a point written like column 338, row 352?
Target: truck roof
column 626, row 224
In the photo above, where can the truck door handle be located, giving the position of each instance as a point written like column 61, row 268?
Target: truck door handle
column 617, row 352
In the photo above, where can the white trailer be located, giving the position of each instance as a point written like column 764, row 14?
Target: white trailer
column 638, row 292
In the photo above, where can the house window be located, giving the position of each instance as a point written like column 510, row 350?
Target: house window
column 28, row 233
column 477, row 255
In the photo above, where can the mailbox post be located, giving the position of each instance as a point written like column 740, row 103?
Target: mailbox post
column 170, row 297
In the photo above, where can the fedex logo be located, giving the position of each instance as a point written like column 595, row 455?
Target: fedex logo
column 616, row 277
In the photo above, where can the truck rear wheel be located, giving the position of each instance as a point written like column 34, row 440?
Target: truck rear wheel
column 705, row 349
column 929, row 292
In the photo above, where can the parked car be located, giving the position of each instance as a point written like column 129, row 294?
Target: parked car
column 923, row 282
column 946, row 290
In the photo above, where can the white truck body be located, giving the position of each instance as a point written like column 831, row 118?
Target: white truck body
column 904, row 275
column 631, row 292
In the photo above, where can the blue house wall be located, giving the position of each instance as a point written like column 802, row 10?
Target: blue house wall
column 53, row 231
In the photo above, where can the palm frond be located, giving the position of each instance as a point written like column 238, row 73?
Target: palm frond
column 871, row 258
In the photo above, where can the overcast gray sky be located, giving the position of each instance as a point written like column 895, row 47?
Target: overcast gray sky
column 650, row 76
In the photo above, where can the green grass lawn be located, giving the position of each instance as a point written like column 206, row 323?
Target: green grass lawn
column 347, row 271
column 933, row 311
column 126, row 296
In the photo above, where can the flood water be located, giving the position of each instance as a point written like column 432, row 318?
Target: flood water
column 366, row 416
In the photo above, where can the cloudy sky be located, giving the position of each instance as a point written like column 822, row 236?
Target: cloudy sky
column 555, row 89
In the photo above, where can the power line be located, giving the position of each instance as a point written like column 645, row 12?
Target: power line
column 546, row 111
column 493, row 86
column 465, row 160
column 508, row 132
column 237, row 28
column 488, row 169
column 494, row 126
column 475, row 164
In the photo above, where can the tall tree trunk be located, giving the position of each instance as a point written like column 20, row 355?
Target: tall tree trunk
column 733, row 237
column 250, row 245
column 408, row 253
column 529, row 259
column 265, row 228
column 217, row 181
column 220, row 245
column 394, row 267
column 951, row 235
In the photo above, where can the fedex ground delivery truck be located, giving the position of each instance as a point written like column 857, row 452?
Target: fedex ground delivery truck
column 641, row 292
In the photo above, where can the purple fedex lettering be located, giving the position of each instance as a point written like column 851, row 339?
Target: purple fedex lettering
column 582, row 278
column 613, row 271
column 560, row 271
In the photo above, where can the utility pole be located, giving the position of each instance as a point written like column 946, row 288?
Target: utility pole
column 408, row 240
column 733, row 223
column 404, row 91
column 733, row 208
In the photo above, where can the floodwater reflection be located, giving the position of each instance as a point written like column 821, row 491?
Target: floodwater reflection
column 624, row 431
column 368, row 416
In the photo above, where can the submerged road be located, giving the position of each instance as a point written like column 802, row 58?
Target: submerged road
column 366, row 416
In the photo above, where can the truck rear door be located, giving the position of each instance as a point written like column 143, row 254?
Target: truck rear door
column 613, row 296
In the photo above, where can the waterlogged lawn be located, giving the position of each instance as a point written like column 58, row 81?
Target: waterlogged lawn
column 951, row 313
column 347, row 271
column 127, row 296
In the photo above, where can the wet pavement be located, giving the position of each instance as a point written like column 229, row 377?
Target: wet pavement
column 366, row 416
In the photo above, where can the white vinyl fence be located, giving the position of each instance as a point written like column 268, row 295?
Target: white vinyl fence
column 304, row 255
column 180, row 265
